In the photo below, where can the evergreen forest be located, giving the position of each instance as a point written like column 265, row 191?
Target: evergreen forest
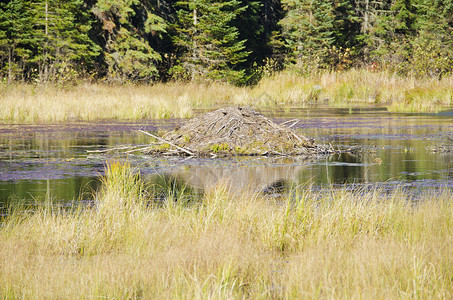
column 234, row 41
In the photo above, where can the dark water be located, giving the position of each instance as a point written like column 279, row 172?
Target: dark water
column 39, row 161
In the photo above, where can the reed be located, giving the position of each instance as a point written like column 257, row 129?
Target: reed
column 339, row 244
column 405, row 94
column 32, row 103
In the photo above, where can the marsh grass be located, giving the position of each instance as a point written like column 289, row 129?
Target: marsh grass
column 341, row 244
column 33, row 103
column 357, row 87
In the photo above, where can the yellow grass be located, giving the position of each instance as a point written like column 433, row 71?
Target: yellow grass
column 362, row 87
column 338, row 245
column 32, row 104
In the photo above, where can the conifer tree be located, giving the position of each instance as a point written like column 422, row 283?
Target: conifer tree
column 433, row 46
column 346, row 24
column 251, row 26
column 258, row 25
column 308, row 29
column 127, row 27
column 16, row 38
column 208, row 42
column 390, row 39
column 64, row 47
column 226, row 40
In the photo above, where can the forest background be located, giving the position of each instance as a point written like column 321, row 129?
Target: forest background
column 234, row 41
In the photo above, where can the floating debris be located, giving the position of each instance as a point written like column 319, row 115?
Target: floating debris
column 445, row 147
column 440, row 149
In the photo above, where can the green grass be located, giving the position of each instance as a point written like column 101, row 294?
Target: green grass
column 32, row 103
column 341, row 244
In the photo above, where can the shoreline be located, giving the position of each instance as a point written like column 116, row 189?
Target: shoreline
column 29, row 103
column 347, row 243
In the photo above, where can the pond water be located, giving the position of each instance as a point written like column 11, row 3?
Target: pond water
column 38, row 161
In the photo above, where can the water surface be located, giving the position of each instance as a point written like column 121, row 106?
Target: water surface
column 57, row 160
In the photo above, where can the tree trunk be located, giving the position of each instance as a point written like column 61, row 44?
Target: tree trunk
column 10, row 73
column 194, row 42
column 365, row 17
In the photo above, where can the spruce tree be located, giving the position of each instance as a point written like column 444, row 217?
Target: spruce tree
column 251, row 27
column 128, row 26
column 64, row 50
column 17, row 38
column 346, row 29
column 208, row 42
column 433, row 46
column 258, row 25
column 308, row 30
column 390, row 39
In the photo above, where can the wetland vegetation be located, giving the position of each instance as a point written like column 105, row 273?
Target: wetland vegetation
column 78, row 75
column 34, row 103
column 346, row 243
column 89, row 60
column 136, row 240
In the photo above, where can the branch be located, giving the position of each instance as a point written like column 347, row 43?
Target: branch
column 170, row 143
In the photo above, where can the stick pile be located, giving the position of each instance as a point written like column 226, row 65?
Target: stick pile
column 234, row 131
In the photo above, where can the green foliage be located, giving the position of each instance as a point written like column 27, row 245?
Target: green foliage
column 308, row 30
column 208, row 42
column 432, row 58
column 347, row 24
column 258, row 26
column 46, row 38
column 64, row 46
column 216, row 148
column 128, row 53
column 433, row 47
column 415, row 37
column 16, row 37
column 234, row 41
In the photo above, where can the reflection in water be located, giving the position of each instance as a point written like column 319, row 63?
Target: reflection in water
column 243, row 174
column 168, row 188
column 277, row 188
column 36, row 161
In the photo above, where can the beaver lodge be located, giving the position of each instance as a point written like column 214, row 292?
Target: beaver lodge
column 234, row 131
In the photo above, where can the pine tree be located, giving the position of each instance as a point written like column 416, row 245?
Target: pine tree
column 346, row 24
column 308, row 30
column 128, row 26
column 258, row 25
column 433, row 46
column 64, row 49
column 16, row 37
column 208, row 42
column 390, row 39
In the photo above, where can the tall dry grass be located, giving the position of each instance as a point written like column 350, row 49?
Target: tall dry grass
column 341, row 244
column 405, row 94
column 32, row 103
